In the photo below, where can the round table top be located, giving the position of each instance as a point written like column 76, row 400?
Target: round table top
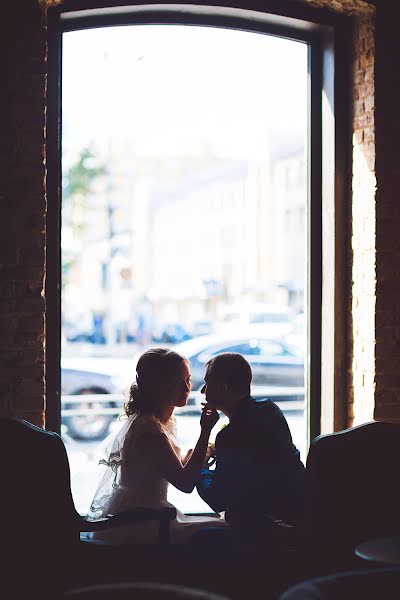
column 382, row 550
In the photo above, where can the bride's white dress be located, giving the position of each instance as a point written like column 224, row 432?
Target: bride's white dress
column 138, row 483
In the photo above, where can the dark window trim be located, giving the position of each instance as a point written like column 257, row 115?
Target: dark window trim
column 314, row 243
column 283, row 18
column 244, row 19
column 283, row 12
column 53, row 225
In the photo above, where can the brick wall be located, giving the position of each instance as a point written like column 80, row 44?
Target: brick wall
column 373, row 276
column 23, row 207
column 387, row 402
column 374, row 326
column 361, row 334
column 361, row 274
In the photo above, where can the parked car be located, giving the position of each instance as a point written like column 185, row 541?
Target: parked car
column 88, row 419
column 201, row 327
column 90, row 337
column 273, row 363
column 170, row 333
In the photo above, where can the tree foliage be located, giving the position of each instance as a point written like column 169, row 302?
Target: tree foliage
column 78, row 184
column 80, row 176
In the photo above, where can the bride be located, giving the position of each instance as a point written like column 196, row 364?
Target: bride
column 145, row 456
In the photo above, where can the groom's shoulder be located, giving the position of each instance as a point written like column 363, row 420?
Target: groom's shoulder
column 263, row 407
column 257, row 412
column 265, row 411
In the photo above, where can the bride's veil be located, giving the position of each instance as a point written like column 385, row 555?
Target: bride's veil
column 111, row 478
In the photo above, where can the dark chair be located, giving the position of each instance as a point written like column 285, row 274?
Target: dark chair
column 358, row 585
column 40, row 531
column 140, row 591
column 353, row 492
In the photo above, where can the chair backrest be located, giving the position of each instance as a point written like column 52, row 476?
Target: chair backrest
column 381, row 583
column 37, row 509
column 141, row 591
column 36, row 469
column 353, row 487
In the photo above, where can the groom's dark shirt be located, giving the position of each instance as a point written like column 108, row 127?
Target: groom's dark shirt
column 258, row 468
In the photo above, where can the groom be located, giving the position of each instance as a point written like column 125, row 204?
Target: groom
column 258, row 468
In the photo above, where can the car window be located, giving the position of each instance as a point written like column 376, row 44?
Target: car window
column 248, row 348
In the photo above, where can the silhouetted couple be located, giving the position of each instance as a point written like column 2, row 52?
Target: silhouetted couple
column 257, row 467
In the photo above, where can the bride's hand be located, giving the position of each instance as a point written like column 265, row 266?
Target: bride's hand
column 209, row 417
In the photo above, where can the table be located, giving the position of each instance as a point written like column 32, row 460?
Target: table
column 381, row 550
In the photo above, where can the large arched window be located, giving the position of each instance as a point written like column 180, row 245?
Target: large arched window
column 192, row 178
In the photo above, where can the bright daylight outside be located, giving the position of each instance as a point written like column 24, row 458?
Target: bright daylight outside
column 184, row 211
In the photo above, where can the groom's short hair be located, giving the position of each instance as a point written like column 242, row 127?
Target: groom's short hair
column 233, row 369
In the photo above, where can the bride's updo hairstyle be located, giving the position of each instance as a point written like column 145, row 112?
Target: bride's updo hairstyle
column 157, row 371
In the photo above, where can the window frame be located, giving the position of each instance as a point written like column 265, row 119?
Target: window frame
column 327, row 35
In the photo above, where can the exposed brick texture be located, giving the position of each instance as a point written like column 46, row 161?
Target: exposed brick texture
column 361, row 334
column 23, row 208
column 374, row 326
column 348, row 7
column 374, row 247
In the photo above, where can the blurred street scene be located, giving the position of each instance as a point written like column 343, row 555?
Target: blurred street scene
column 184, row 218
